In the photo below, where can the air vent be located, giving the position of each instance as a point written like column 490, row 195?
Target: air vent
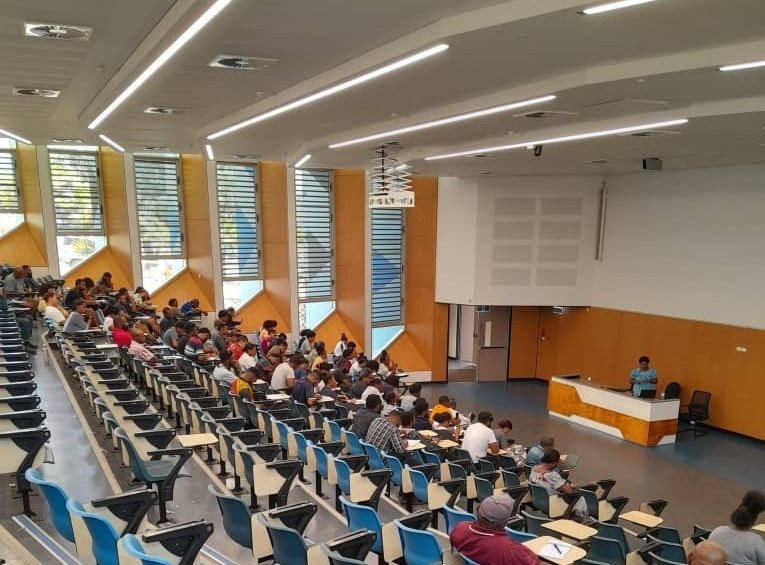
column 479, row 156
column 249, row 157
column 630, row 103
column 164, row 110
column 67, row 140
column 544, row 114
column 485, row 173
column 41, row 92
column 153, row 148
column 242, row 62
column 596, row 161
column 57, row 31
column 651, row 133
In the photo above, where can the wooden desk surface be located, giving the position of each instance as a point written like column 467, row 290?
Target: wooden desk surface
column 642, row 518
column 571, row 529
column 759, row 528
column 197, row 440
column 536, row 545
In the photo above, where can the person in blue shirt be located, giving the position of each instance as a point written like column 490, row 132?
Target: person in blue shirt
column 643, row 378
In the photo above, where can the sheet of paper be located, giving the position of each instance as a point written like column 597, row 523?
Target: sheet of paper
column 555, row 550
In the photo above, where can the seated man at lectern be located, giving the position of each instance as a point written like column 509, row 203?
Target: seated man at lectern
column 643, row 379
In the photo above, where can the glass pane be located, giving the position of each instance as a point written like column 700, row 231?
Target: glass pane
column 157, row 272
column 10, row 221
column 312, row 313
column 73, row 250
column 236, row 293
column 382, row 337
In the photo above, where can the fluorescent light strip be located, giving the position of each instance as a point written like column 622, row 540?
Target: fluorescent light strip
column 175, row 46
column 361, row 79
column 613, row 6
column 113, row 143
column 209, row 150
column 445, row 121
column 302, row 161
column 743, row 66
column 576, row 137
column 6, row 133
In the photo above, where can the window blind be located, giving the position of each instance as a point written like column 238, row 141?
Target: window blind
column 9, row 190
column 157, row 187
column 76, row 193
column 313, row 223
column 238, row 225
column 387, row 266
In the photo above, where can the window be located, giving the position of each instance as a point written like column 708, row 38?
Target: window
column 160, row 224
column 315, row 255
column 238, row 230
column 387, row 276
column 10, row 204
column 77, row 206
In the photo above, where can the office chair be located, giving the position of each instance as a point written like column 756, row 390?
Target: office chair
column 672, row 390
column 696, row 411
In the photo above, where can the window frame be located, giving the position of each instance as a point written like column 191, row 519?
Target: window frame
column 102, row 219
column 401, row 321
column 13, row 155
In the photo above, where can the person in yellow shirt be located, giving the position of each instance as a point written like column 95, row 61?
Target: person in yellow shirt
column 242, row 385
column 442, row 408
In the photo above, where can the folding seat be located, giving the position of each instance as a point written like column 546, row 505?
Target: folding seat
column 242, row 438
column 534, row 522
column 267, row 477
column 419, row 547
column 162, row 468
column 416, row 483
column 352, row 443
column 604, row 510
column 607, row 551
column 453, row 516
column 518, row 535
column 552, row 505
column 317, row 461
column 348, row 549
column 175, row 545
column 19, row 403
column 357, row 485
column 22, row 420
column 21, row 450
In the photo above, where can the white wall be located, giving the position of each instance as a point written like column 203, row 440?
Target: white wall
column 687, row 244
column 456, row 240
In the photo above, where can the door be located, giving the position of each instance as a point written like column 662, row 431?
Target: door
column 492, row 342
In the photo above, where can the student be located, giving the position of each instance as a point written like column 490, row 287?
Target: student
column 643, row 379
column 411, row 396
column 743, row 546
column 249, row 356
column 365, row 416
column 546, row 475
column 502, row 433
column 340, row 346
column 387, row 365
column 242, row 385
column 441, row 408
column 479, row 437
column 421, row 421
column 534, row 455
column 708, row 553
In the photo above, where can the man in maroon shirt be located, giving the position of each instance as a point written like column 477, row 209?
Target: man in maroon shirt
column 486, row 542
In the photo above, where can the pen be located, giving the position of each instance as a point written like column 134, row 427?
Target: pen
column 555, row 545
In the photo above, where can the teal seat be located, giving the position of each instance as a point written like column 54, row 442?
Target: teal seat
column 394, row 464
column 375, row 456
column 335, row 431
column 353, row 443
column 103, row 535
column 614, row 532
column 161, row 470
column 534, row 523
column 290, row 548
column 360, row 517
column 510, row 479
column 56, row 499
column 420, row 547
column 519, row 536
column 469, row 561
column 133, row 548
column 236, row 517
column 454, row 516
column 656, row 559
column 606, row 550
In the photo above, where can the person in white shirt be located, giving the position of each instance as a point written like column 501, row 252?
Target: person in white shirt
column 360, row 364
column 248, row 359
column 284, row 374
column 479, row 437
column 374, row 386
column 337, row 353
column 53, row 310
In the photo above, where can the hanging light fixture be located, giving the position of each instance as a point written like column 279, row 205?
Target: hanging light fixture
column 391, row 180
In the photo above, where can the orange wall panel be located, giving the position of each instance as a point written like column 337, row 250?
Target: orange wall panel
column 350, row 260
column 260, row 308
column 115, row 206
column 605, row 344
column 405, row 353
column 98, row 263
column 524, row 340
column 17, row 248
column 182, row 287
column 196, row 212
column 31, row 197
column 276, row 268
column 330, row 329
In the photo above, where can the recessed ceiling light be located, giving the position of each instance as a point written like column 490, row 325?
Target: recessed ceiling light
column 743, row 66
column 57, row 31
column 155, row 148
column 7, row 133
column 596, row 161
column 175, row 46
column 66, row 140
column 165, row 110
column 209, row 151
column 111, row 142
column 544, row 114
column 242, row 62
column 302, row 161
column 40, row 92
column 366, row 77
column 445, row 121
column 611, row 6
column 485, row 173
column 247, row 157
column 574, row 137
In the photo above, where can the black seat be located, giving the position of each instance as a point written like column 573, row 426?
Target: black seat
column 672, row 390
column 696, row 411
